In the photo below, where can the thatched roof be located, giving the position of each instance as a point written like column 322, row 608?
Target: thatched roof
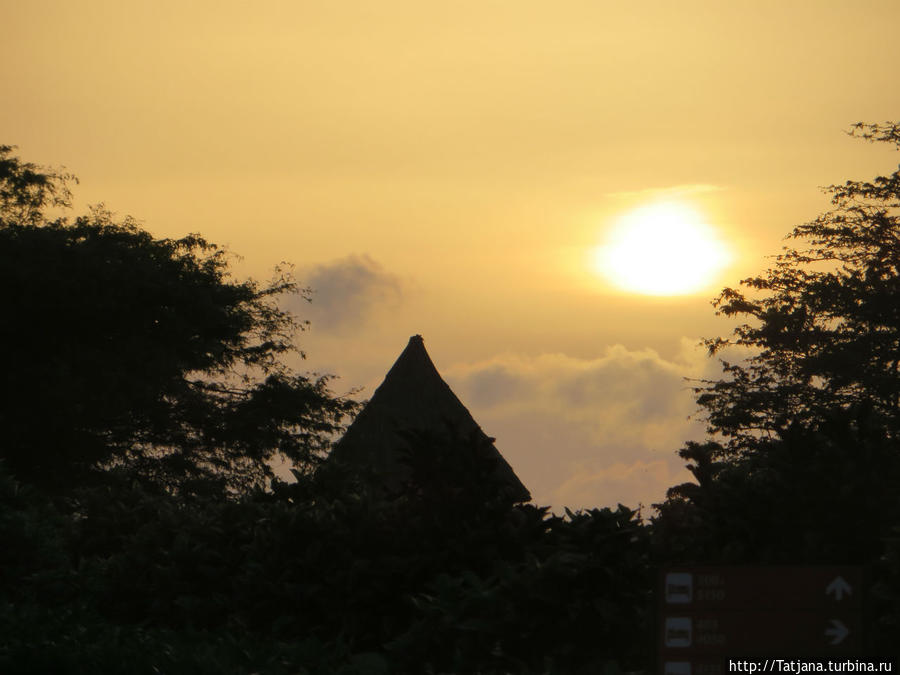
column 414, row 400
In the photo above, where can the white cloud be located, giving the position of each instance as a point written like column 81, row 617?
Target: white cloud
column 619, row 482
column 589, row 432
column 346, row 292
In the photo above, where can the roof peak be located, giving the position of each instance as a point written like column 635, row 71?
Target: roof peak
column 413, row 362
column 414, row 398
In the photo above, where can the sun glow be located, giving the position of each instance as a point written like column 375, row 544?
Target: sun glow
column 662, row 249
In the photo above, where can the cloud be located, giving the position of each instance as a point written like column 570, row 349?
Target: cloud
column 619, row 483
column 589, row 432
column 346, row 292
column 637, row 389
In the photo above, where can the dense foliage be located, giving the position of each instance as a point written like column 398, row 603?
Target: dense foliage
column 130, row 351
column 824, row 331
column 346, row 583
column 802, row 464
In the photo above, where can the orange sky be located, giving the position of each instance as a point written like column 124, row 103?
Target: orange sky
column 447, row 169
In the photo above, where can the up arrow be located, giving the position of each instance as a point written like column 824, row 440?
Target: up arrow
column 837, row 631
column 838, row 586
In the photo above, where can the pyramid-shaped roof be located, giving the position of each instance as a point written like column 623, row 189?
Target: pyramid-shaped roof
column 414, row 399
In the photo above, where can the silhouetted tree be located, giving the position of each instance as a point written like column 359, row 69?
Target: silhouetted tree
column 824, row 333
column 802, row 462
column 123, row 350
column 828, row 494
column 26, row 189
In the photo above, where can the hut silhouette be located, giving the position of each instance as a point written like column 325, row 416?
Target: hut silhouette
column 412, row 406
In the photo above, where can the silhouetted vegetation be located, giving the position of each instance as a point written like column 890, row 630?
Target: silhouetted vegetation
column 143, row 531
column 802, row 463
column 142, row 354
column 826, row 321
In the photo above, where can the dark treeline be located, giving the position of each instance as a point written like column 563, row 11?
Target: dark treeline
column 142, row 529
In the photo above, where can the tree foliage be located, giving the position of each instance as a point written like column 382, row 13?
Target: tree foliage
column 338, row 580
column 812, row 496
column 823, row 329
column 26, row 189
column 124, row 350
column 802, row 462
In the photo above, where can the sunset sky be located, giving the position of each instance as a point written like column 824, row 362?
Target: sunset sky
column 505, row 178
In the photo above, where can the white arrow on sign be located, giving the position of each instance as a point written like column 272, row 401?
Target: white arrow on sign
column 838, row 587
column 837, row 631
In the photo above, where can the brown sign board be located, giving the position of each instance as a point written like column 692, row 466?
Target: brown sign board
column 775, row 587
column 752, row 631
column 710, row 612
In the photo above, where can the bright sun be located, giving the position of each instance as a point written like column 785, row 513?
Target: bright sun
column 662, row 249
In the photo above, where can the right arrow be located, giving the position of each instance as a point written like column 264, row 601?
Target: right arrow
column 837, row 631
column 838, row 587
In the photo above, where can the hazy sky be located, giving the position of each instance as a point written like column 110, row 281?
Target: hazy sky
column 451, row 168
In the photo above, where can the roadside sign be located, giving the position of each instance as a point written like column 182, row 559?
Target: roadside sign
column 709, row 613
column 746, row 631
column 762, row 587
